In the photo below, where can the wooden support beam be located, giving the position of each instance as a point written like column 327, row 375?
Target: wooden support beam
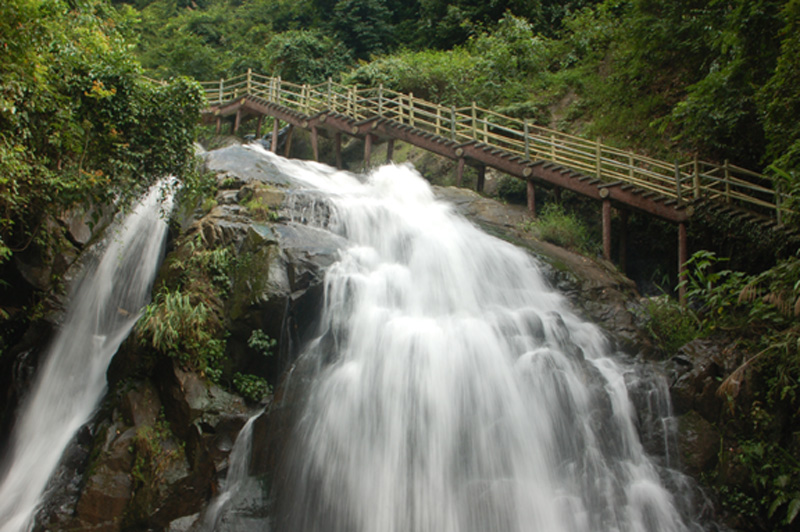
column 287, row 150
column 389, row 150
column 259, row 123
column 315, row 143
column 683, row 256
column 531, row 198
column 460, row 171
column 275, row 128
column 338, row 147
column 367, row 150
column 623, row 241
column 607, row 229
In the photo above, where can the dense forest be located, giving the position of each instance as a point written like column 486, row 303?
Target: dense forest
column 82, row 121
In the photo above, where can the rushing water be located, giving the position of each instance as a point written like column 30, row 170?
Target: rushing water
column 455, row 390
column 71, row 381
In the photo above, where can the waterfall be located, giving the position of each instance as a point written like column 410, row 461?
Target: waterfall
column 71, row 381
column 455, row 391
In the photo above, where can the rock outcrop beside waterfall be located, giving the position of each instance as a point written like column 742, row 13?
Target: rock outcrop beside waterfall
column 155, row 453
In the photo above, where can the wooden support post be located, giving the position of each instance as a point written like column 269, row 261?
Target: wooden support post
column 367, row 150
column 259, row 123
column 276, row 124
column 481, row 178
column 531, row 198
column 237, row 122
column 287, row 150
column 607, row 229
column 380, row 99
column 460, row 171
column 527, row 140
column 438, row 119
column 452, row 123
column 338, row 147
column 389, row 150
column 330, row 93
column 249, row 80
column 221, row 89
column 683, row 256
column 315, row 143
column 678, row 183
column 219, row 124
column 623, row 241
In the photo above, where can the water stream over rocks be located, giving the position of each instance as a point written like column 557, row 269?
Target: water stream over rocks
column 72, row 379
column 452, row 390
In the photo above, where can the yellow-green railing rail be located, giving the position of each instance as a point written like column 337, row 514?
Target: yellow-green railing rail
column 682, row 181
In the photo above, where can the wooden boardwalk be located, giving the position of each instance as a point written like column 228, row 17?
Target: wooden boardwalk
column 483, row 138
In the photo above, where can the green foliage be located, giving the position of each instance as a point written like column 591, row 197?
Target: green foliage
column 179, row 328
column 260, row 210
column 554, row 224
column 251, row 387
column 155, row 451
column 670, row 324
column 305, row 56
column 78, row 123
column 261, row 342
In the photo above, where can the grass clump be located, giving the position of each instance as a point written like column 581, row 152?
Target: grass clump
column 562, row 228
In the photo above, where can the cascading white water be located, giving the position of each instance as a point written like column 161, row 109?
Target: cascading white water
column 71, row 381
column 455, row 391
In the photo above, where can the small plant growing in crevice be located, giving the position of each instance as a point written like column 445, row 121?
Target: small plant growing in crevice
column 253, row 387
column 260, row 210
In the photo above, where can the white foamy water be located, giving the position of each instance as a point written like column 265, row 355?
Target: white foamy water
column 72, row 378
column 456, row 392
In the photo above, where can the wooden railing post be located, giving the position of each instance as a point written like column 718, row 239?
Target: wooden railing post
column 249, row 80
column 411, row 109
column 630, row 167
column 727, row 182
column 330, row 93
column 485, row 130
column 278, row 90
column 778, row 213
column 553, row 147
column 380, row 100
column 597, row 154
column 452, row 123
column 527, row 135
column 351, row 101
column 474, row 121
column 438, row 119
column 221, row 89
column 696, row 177
column 678, row 182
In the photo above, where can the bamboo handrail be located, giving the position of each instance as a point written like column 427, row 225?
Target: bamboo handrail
column 677, row 180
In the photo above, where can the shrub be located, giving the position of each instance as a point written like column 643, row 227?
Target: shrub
column 554, row 224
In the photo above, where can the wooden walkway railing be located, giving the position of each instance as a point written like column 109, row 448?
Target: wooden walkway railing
column 683, row 181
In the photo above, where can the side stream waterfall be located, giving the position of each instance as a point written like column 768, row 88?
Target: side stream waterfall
column 72, row 378
column 454, row 390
